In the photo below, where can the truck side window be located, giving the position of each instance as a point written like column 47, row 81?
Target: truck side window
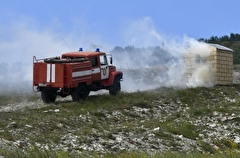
column 94, row 61
column 103, row 60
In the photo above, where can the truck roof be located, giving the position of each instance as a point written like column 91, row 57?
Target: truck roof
column 82, row 54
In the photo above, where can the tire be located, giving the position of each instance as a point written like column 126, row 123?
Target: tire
column 79, row 93
column 48, row 96
column 88, row 92
column 115, row 88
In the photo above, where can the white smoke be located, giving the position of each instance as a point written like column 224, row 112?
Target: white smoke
column 144, row 69
column 168, row 72
column 202, row 76
column 21, row 40
column 204, row 72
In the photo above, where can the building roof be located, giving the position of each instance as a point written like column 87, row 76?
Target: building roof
column 220, row 47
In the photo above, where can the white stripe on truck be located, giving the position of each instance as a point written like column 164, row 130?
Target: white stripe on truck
column 96, row 70
column 53, row 72
column 81, row 73
column 86, row 72
column 50, row 72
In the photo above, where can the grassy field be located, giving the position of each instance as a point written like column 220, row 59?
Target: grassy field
column 171, row 115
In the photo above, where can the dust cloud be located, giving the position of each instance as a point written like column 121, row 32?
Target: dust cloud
column 149, row 59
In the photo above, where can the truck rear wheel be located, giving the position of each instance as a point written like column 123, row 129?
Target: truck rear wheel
column 48, row 96
column 116, row 87
column 79, row 92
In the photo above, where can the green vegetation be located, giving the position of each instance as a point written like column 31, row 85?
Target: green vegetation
column 213, row 39
column 232, row 41
column 63, row 154
column 103, row 116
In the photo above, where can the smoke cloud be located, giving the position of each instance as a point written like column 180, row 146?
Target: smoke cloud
column 21, row 40
column 149, row 60
column 164, row 63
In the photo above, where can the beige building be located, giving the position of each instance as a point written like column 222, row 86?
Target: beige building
column 213, row 65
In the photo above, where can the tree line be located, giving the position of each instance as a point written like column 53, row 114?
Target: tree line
column 158, row 52
column 215, row 39
column 232, row 41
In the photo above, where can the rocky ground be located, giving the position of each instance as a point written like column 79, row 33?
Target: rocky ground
column 201, row 119
column 195, row 119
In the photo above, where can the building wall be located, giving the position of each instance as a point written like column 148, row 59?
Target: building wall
column 220, row 66
column 222, row 62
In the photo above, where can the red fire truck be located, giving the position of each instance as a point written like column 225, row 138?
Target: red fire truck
column 76, row 74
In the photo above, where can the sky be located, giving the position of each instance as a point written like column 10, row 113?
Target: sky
column 112, row 22
column 51, row 27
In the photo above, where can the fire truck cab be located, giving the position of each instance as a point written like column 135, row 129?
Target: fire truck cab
column 76, row 74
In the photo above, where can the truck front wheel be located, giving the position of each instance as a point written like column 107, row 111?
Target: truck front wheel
column 48, row 96
column 79, row 92
column 115, row 88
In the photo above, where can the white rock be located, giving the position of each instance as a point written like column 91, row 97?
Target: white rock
column 224, row 119
column 213, row 125
column 201, row 135
column 29, row 126
column 56, row 110
column 237, row 139
column 119, row 139
column 156, row 129
column 215, row 113
column 12, row 124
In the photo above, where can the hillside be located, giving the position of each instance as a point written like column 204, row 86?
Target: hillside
column 162, row 122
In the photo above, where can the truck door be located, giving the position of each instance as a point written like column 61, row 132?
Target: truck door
column 96, row 75
column 104, row 67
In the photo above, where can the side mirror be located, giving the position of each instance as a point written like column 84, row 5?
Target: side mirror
column 111, row 60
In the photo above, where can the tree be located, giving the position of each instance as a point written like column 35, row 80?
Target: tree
column 202, row 40
column 130, row 49
column 118, row 49
column 213, row 39
column 224, row 38
column 232, row 37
